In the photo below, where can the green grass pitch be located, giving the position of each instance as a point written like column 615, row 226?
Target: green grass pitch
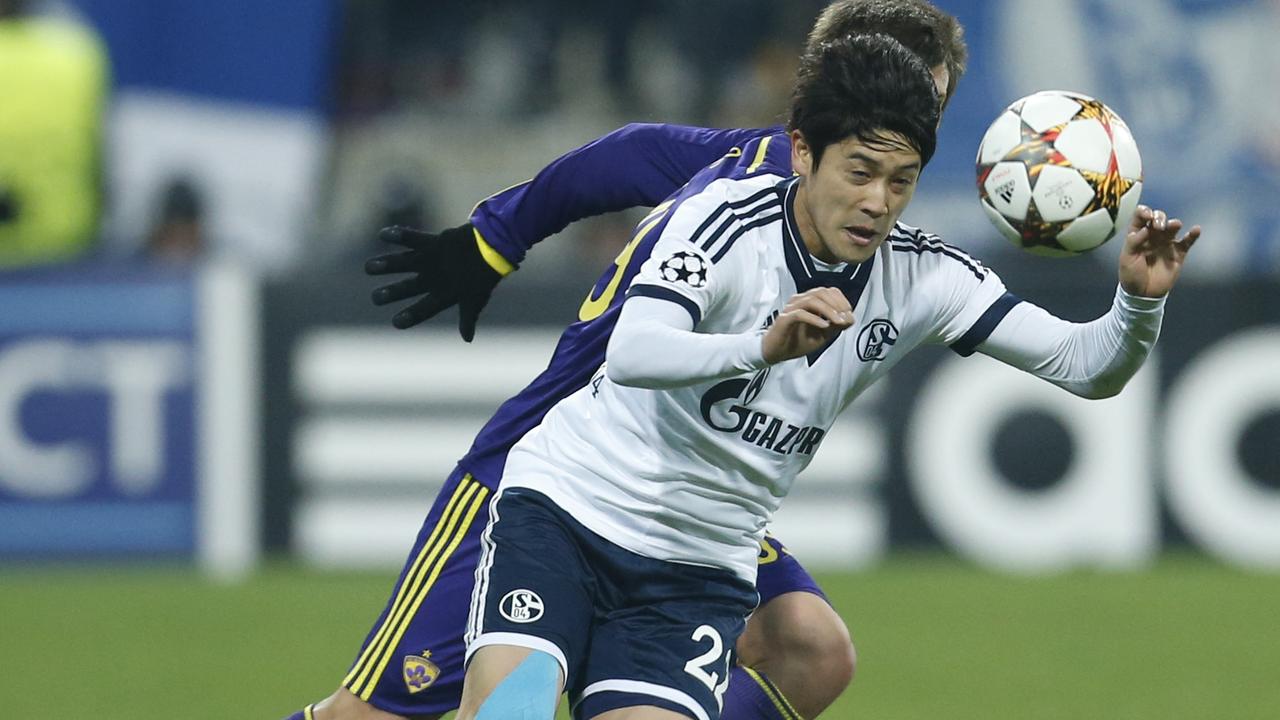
column 936, row 639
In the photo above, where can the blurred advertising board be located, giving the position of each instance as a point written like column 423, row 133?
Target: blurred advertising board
column 960, row 453
column 114, row 443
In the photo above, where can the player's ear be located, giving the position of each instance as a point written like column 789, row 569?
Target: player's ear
column 801, row 154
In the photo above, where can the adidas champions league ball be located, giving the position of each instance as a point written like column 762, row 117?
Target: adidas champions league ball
column 1059, row 173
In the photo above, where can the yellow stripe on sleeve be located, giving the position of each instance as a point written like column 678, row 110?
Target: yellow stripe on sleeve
column 491, row 256
column 465, row 489
column 307, row 714
column 761, row 151
column 495, row 259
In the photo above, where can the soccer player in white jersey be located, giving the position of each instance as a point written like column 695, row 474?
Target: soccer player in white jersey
column 620, row 550
column 796, row 656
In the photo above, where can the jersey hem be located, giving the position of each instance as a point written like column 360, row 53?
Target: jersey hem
column 586, row 516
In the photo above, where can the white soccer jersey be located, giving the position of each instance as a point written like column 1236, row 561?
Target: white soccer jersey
column 693, row 474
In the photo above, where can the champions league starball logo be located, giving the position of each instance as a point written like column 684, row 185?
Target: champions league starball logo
column 684, row 267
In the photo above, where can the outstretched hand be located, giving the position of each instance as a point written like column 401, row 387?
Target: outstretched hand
column 448, row 270
column 1153, row 253
column 808, row 322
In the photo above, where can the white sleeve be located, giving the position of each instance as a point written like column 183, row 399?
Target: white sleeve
column 653, row 346
column 1094, row 359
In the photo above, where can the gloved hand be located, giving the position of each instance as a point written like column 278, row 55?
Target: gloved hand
column 448, row 270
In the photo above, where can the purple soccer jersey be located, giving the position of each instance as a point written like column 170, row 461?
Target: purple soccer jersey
column 639, row 165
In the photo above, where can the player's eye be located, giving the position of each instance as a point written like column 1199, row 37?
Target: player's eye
column 860, row 176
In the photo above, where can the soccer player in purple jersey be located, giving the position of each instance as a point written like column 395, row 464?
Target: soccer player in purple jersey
column 795, row 656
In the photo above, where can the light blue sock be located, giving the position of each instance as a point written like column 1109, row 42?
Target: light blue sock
column 529, row 692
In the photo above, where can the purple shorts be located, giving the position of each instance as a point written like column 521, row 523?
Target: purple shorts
column 413, row 659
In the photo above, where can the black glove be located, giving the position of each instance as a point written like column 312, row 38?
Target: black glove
column 448, row 270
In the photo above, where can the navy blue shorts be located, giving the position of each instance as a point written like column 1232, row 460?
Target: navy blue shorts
column 412, row 660
column 626, row 629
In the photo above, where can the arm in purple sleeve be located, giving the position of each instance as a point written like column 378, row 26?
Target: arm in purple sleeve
column 637, row 165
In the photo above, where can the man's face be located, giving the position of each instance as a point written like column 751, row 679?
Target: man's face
column 846, row 207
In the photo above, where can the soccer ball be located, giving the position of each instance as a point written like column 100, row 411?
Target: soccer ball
column 1059, row 173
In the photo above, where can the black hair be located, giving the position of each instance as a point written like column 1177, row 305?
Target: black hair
column 938, row 38
column 868, row 87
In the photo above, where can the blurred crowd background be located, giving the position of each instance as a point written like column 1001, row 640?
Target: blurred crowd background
column 283, row 137
column 188, row 190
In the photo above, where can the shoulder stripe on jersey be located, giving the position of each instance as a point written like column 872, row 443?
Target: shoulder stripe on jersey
column 981, row 330
column 942, row 249
column 742, row 229
column 735, row 217
column 725, row 207
column 752, row 199
column 658, row 292
column 917, row 238
column 731, row 208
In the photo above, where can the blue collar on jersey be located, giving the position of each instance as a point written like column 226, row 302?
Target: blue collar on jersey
column 851, row 279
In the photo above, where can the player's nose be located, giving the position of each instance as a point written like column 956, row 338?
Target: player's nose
column 873, row 199
column 873, row 204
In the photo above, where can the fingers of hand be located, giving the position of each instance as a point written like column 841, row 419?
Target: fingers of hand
column 1137, row 236
column 1141, row 217
column 408, row 261
column 408, row 237
column 400, row 290
column 424, row 309
column 1154, row 229
column 469, row 308
column 803, row 316
column 1189, row 239
column 828, row 303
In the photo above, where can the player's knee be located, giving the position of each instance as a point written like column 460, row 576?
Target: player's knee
column 808, row 633
column 827, row 650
